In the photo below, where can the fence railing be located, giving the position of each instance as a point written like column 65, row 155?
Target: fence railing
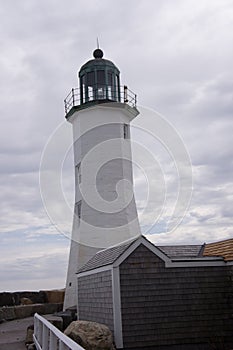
column 100, row 93
column 47, row 337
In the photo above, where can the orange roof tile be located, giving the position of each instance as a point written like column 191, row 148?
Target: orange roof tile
column 223, row 248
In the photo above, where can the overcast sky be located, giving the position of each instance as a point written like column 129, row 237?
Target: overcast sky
column 177, row 55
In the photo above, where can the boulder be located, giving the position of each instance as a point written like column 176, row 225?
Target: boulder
column 67, row 317
column 29, row 335
column 55, row 320
column 25, row 301
column 31, row 347
column 90, row 335
column 35, row 297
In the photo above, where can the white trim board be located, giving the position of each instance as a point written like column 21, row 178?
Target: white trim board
column 147, row 244
column 116, row 298
column 97, row 270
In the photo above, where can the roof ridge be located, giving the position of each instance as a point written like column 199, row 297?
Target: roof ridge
column 107, row 256
column 120, row 244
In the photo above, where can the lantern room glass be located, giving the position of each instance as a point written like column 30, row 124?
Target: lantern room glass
column 99, row 84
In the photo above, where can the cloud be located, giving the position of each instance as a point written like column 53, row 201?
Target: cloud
column 176, row 55
column 32, row 260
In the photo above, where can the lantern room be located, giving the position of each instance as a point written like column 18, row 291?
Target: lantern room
column 99, row 80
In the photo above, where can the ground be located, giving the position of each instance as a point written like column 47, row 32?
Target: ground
column 13, row 333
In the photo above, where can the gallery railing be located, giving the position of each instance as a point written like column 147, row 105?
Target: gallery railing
column 100, row 93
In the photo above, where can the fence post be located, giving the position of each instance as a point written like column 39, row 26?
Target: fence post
column 39, row 331
column 62, row 345
column 125, row 94
column 52, row 341
column 45, row 338
column 65, row 107
column 48, row 337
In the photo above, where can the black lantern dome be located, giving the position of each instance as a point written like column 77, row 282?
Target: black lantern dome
column 99, row 80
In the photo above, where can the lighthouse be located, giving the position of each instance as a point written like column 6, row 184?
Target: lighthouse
column 105, row 213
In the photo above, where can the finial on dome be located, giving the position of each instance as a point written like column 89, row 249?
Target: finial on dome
column 98, row 53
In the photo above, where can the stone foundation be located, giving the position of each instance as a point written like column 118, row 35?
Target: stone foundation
column 8, row 313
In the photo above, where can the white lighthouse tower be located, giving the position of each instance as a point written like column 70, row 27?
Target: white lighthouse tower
column 105, row 213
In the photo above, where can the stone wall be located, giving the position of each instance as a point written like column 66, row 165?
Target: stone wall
column 12, row 299
column 19, row 305
column 40, row 297
column 9, row 313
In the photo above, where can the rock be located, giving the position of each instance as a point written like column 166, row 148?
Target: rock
column 55, row 296
column 2, row 319
column 90, row 335
column 67, row 318
column 25, row 301
column 73, row 312
column 50, row 308
column 31, row 347
column 7, row 313
column 23, row 311
column 55, row 320
column 35, row 297
column 6, row 299
column 29, row 335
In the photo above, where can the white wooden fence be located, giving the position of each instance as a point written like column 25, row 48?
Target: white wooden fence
column 47, row 337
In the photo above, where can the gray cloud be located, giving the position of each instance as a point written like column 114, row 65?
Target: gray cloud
column 177, row 55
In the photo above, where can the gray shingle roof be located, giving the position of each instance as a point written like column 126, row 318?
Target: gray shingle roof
column 110, row 255
column 105, row 257
column 181, row 251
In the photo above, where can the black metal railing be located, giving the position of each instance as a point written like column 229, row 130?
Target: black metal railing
column 76, row 97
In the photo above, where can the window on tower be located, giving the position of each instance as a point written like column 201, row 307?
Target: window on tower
column 100, row 77
column 90, row 86
column 90, row 79
column 111, row 92
column 126, row 131
column 78, row 173
column 78, row 208
column 101, row 85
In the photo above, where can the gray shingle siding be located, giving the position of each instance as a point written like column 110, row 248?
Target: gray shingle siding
column 172, row 306
column 95, row 298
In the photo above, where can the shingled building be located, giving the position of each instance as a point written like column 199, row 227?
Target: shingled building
column 161, row 297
